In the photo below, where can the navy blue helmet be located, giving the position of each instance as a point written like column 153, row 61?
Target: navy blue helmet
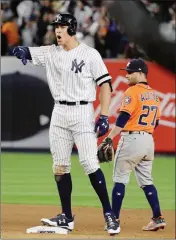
column 64, row 19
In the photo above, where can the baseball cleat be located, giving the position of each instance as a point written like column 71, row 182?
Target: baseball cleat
column 59, row 221
column 155, row 224
column 112, row 225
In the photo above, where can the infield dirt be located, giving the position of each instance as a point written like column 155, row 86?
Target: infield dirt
column 89, row 223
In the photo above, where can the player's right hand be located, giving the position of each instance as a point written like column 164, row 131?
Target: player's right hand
column 102, row 126
column 20, row 53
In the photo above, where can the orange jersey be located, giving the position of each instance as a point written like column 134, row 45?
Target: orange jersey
column 11, row 31
column 142, row 103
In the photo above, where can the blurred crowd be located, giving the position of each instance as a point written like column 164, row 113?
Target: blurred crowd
column 28, row 23
column 165, row 13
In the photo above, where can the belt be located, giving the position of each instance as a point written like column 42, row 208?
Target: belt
column 72, row 103
column 134, row 132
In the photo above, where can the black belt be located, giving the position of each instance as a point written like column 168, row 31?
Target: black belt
column 73, row 103
column 137, row 132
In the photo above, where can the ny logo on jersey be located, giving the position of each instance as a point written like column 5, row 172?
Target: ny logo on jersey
column 77, row 67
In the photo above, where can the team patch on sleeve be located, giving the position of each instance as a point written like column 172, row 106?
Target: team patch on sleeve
column 127, row 100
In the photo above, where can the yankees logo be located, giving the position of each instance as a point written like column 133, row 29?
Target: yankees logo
column 76, row 66
column 59, row 17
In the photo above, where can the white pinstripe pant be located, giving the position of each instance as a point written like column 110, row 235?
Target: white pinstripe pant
column 69, row 125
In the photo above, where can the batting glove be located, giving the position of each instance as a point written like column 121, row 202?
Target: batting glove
column 102, row 125
column 20, row 53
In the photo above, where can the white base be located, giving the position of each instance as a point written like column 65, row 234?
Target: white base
column 46, row 229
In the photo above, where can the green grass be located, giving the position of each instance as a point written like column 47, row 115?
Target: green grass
column 28, row 179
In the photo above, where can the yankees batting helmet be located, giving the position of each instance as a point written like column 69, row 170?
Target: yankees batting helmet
column 66, row 20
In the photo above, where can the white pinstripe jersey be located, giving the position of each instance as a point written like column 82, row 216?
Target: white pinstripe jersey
column 72, row 75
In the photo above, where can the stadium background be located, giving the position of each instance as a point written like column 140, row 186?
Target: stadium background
column 26, row 106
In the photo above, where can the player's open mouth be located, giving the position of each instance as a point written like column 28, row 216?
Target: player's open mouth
column 58, row 37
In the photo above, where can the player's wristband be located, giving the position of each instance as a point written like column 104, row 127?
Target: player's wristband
column 103, row 116
column 122, row 119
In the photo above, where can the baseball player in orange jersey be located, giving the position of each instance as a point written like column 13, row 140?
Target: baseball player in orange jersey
column 139, row 116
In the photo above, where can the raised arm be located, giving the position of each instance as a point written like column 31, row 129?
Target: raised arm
column 36, row 54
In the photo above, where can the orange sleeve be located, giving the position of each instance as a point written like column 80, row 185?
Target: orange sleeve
column 129, row 101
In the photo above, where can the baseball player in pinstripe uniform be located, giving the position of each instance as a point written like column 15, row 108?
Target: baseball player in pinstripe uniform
column 73, row 71
column 139, row 116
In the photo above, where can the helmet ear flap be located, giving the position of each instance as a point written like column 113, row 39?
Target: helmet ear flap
column 71, row 31
column 72, row 27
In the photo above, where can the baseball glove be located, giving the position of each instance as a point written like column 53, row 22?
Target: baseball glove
column 106, row 151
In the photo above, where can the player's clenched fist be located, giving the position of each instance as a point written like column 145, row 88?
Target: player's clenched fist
column 102, row 125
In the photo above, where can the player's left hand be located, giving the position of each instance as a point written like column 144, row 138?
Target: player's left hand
column 105, row 151
column 102, row 125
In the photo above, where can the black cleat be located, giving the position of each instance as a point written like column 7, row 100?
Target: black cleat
column 113, row 226
column 59, row 221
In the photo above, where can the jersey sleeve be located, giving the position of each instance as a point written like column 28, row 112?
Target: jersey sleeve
column 98, row 69
column 129, row 101
column 38, row 54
